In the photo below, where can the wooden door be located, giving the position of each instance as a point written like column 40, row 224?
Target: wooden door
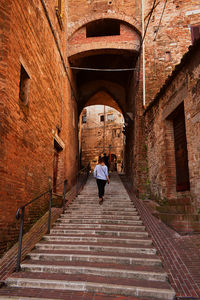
column 181, row 154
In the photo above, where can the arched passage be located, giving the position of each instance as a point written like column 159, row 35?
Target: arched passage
column 103, row 56
column 103, row 98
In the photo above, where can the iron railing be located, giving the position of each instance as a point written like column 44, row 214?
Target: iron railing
column 81, row 179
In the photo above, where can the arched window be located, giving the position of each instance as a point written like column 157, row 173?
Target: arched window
column 104, row 27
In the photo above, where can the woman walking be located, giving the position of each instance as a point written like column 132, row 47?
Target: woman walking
column 101, row 175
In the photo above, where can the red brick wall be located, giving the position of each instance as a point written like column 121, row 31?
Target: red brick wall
column 27, row 132
column 160, row 138
column 173, row 35
column 126, row 34
column 90, row 10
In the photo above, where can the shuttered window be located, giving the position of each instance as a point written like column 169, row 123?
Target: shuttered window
column 180, row 145
column 195, row 33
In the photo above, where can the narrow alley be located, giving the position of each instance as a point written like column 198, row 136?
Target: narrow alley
column 82, row 81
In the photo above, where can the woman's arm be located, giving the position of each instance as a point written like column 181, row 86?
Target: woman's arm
column 108, row 180
column 107, row 177
column 95, row 172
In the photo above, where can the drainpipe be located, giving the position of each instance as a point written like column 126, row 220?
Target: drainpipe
column 143, row 57
column 104, row 112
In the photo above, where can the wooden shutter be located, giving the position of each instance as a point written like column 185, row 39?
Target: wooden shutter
column 195, row 33
column 181, row 154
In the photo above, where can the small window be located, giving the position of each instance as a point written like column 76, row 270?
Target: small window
column 84, row 118
column 118, row 133
column 168, row 56
column 24, row 86
column 105, row 27
column 110, row 117
column 114, row 133
column 195, row 33
column 102, row 118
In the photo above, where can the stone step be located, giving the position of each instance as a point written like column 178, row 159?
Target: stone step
column 103, row 213
column 107, row 196
column 82, row 232
column 101, row 226
column 97, row 239
column 101, row 209
column 99, row 221
column 38, row 294
column 126, row 287
column 106, row 204
column 96, row 269
column 94, row 198
column 104, row 257
column 99, row 217
column 26, row 298
column 94, row 247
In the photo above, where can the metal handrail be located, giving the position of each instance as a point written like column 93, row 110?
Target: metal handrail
column 50, row 191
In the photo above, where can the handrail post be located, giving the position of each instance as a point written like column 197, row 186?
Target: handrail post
column 20, row 240
column 64, row 194
column 77, row 183
column 50, row 204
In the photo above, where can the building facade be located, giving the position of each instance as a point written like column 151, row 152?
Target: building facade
column 102, row 132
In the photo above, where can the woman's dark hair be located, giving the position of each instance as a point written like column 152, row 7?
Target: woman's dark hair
column 101, row 159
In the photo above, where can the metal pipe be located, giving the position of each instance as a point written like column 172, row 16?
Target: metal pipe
column 64, row 194
column 77, row 181
column 20, row 240
column 104, row 119
column 143, row 57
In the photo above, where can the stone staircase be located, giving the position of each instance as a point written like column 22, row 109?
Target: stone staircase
column 96, row 249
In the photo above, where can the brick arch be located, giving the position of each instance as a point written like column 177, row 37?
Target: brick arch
column 103, row 97
column 132, row 22
column 114, row 90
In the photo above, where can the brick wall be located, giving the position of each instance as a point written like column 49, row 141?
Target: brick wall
column 173, row 36
column 27, row 131
column 90, row 10
column 184, row 87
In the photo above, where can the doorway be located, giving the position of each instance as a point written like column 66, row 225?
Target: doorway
column 180, row 147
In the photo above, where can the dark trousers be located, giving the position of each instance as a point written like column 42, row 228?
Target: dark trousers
column 101, row 186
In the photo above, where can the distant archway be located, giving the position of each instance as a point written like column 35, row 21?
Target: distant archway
column 103, row 98
column 101, row 131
